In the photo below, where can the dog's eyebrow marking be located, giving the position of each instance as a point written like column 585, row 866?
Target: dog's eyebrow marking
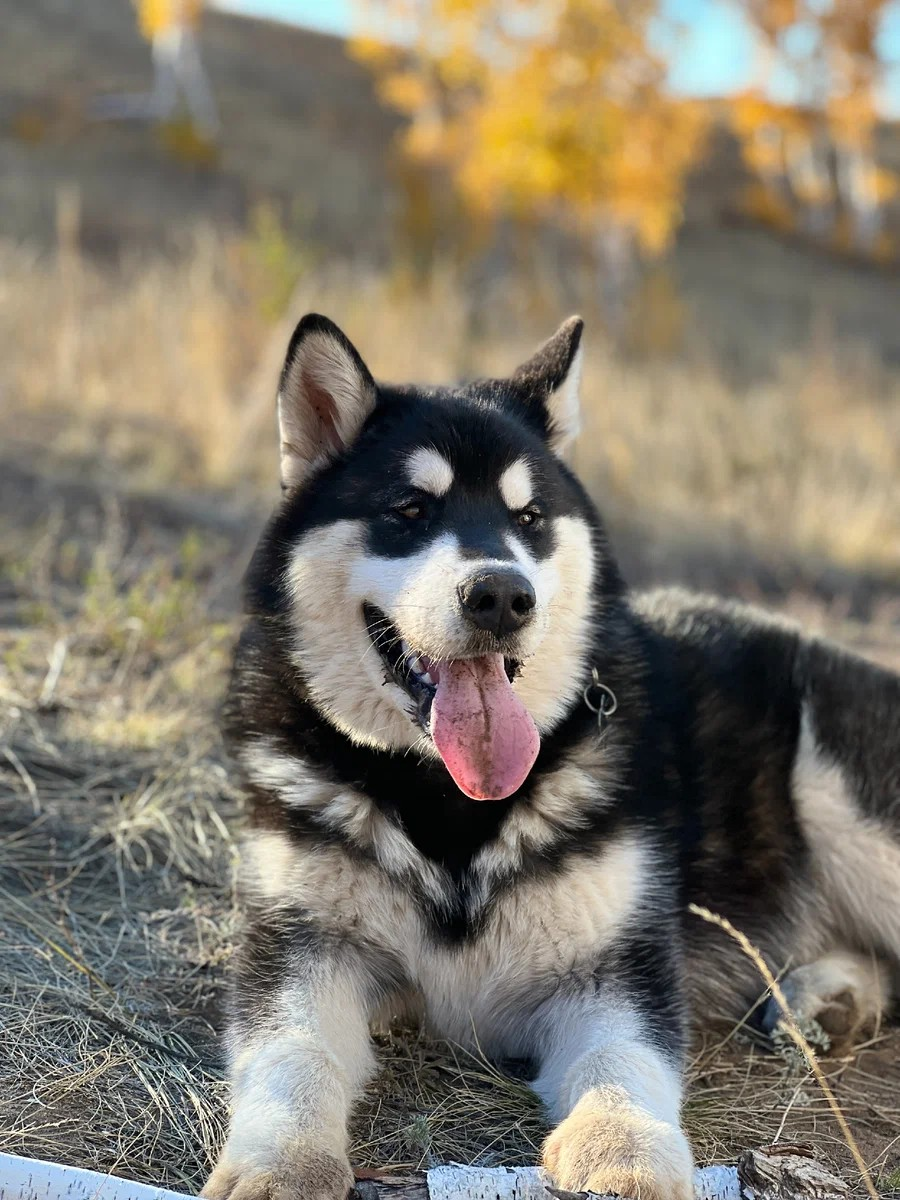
column 429, row 471
column 516, row 486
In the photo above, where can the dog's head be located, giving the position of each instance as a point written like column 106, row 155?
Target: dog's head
column 440, row 557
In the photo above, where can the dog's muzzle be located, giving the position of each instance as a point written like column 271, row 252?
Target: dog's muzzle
column 479, row 726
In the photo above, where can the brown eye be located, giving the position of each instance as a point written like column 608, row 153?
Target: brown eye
column 411, row 512
column 528, row 516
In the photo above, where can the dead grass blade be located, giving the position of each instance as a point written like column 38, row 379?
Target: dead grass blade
column 795, row 1034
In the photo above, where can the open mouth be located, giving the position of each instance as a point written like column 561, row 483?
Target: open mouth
column 416, row 674
column 479, row 726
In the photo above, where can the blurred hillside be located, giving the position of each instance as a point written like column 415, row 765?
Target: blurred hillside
column 302, row 127
column 301, row 124
column 742, row 423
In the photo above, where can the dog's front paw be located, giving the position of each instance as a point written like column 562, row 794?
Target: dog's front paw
column 623, row 1150
column 300, row 1173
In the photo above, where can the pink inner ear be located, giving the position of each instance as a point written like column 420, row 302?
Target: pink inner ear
column 323, row 406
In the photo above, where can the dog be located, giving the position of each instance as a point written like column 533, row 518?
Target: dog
column 486, row 781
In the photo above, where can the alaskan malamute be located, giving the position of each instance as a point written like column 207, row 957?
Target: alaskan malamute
column 486, row 781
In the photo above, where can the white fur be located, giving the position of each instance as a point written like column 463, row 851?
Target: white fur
column 618, row 1101
column 296, row 1077
column 516, row 486
column 429, row 471
column 602, row 1044
column 420, row 594
column 295, row 781
column 331, row 574
column 562, row 800
column 856, row 984
column 333, row 650
column 534, row 935
column 273, row 870
column 552, row 677
column 564, row 407
column 308, row 442
column 267, row 861
column 856, row 860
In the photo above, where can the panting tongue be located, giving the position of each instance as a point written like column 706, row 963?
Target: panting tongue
column 482, row 730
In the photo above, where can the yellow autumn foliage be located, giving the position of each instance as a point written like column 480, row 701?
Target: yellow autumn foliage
column 556, row 108
column 814, row 160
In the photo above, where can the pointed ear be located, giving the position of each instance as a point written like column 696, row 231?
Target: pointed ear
column 550, row 382
column 325, row 395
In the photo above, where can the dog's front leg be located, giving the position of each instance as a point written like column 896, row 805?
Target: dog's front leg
column 611, row 1074
column 300, row 1054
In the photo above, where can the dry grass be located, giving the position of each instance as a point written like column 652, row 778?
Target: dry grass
column 135, row 461
column 116, row 909
column 115, row 855
column 163, row 371
column 741, row 1093
column 802, row 1041
column 672, row 443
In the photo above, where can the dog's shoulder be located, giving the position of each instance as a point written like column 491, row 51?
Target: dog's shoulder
column 720, row 664
column 713, row 624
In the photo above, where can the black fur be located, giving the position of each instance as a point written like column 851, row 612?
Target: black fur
column 274, row 950
column 710, row 699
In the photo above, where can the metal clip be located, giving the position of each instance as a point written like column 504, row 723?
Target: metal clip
column 607, row 703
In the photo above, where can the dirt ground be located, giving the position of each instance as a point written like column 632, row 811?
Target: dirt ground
column 117, row 854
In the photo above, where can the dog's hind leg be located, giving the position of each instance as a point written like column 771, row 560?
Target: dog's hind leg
column 844, row 992
column 846, row 787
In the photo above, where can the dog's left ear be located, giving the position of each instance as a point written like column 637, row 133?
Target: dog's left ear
column 549, row 383
column 325, row 395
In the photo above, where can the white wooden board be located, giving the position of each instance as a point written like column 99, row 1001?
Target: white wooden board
column 33, row 1179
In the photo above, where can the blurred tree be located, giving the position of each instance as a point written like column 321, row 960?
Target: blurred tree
column 555, row 109
column 171, row 27
column 814, row 158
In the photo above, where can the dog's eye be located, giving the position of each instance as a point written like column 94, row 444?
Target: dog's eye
column 528, row 516
column 414, row 511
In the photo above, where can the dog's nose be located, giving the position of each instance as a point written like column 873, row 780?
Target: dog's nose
column 500, row 601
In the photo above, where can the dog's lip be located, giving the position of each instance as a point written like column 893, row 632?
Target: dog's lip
column 414, row 671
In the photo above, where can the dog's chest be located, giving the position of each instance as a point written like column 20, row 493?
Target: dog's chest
column 473, row 958
column 531, row 935
column 534, row 937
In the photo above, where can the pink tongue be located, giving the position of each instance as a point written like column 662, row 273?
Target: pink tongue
column 481, row 728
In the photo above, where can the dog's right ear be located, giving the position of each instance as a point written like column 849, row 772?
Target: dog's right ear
column 325, row 395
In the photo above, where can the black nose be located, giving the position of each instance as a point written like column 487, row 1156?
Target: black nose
column 499, row 601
